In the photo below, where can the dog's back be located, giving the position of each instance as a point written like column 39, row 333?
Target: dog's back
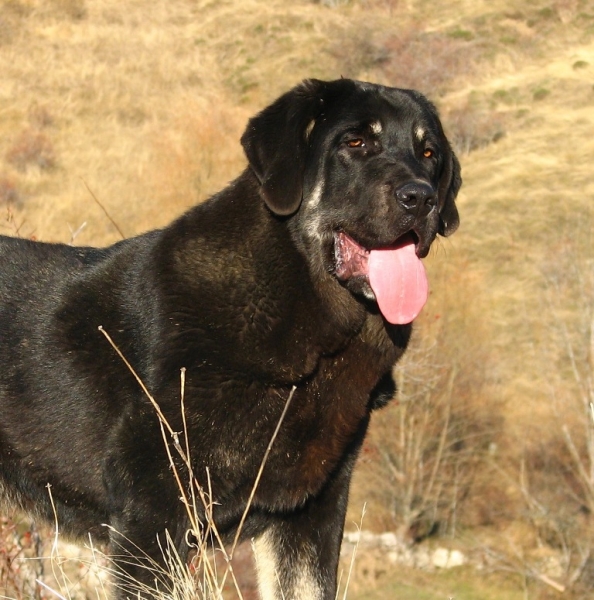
column 54, row 416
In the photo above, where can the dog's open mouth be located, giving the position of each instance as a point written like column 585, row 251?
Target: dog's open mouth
column 395, row 274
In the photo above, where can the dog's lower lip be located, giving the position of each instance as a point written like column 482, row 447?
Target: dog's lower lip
column 347, row 249
column 350, row 257
column 418, row 244
column 421, row 247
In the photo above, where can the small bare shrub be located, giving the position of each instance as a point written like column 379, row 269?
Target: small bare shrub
column 422, row 458
column 427, row 61
column 566, row 9
column 9, row 192
column 411, row 58
column 555, row 473
column 32, row 148
column 187, row 166
column 39, row 116
column 570, row 298
column 471, row 127
column 358, row 51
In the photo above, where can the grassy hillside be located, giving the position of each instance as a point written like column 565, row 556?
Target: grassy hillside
column 136, row 109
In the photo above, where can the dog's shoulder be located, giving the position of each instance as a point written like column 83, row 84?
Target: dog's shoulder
column 231, row 278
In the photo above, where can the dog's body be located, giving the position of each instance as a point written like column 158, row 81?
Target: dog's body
column 252, row 292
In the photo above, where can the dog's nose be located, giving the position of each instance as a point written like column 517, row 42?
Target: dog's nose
column 417, row 197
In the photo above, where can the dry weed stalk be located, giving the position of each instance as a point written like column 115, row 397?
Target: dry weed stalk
column 513, row 557
column 352, row 561
column 428, row 443
column 178, row 580
column 194, row 501
column 409, row 464
column 578, row 349
column 105, row 211
column 514, row 561
column 555, row 480
column 11, row 223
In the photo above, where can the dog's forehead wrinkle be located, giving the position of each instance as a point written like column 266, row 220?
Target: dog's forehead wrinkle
column 394, row 120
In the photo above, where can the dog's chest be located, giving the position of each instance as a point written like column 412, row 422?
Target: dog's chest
column 236, row 414
column 324, row 424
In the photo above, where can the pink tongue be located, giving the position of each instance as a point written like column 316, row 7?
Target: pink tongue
column 398, row 280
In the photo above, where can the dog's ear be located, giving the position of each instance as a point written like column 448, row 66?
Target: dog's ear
column 276, row 142
column 448, row 190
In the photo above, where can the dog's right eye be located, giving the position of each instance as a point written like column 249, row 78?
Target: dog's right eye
column 355, row 143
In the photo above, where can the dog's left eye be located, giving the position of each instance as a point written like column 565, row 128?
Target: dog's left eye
column 428, row 153
column 355, row 143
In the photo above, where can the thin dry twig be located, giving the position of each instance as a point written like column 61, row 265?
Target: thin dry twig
column 191, row 503
column 352, row 561
column 261, row 469
column 111, row 220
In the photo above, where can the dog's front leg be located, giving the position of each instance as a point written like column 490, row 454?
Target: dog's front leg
column 297, row 556
column 146, row 560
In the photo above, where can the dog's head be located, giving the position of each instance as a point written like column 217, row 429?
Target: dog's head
column 361, row 171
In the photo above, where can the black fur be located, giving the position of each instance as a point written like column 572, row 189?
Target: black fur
column 240, row 291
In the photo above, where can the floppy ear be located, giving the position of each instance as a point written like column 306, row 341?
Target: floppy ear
column 448, row 190
column 276, row 141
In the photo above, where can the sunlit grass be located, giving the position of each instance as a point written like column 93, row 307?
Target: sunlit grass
column 143, row 108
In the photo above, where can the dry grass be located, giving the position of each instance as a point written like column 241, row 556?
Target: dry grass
column 119, row 88
column 27, row 572
column 145, row 105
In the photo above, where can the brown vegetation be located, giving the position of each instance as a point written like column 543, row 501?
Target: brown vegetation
column 491, row 440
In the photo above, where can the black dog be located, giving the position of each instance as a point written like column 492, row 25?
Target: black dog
column 303, row 272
